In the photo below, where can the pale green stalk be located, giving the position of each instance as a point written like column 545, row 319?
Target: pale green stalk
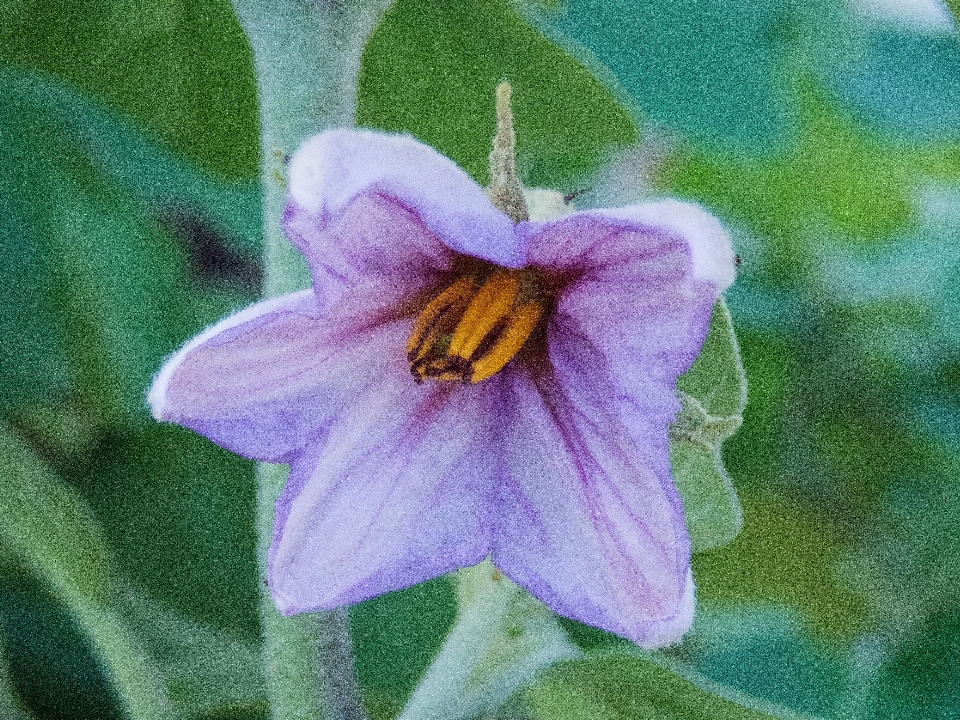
column 306, row 56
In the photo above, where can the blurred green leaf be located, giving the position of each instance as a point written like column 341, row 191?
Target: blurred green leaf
column 906, row 83
column 785, row 555
column 621, row 687
column 713, row 394
column 206, row 670
column 137, row 681
column 178, row 514
column 716, row 71
column 919, row 681
column 430, row 69
column 705, row 88
column 907, row 566
column 33, row 362
column 48, row 526
column 182, row 70
column 903, row 298
column 53, row 665
column 395, row 637
column 53, row 534
column 837, row 173
column 11, row 706
column 149, row 172
column 130, row 304
column 766, row 652
column 113, row 283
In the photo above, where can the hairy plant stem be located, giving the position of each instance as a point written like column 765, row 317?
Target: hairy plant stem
column 306, row 56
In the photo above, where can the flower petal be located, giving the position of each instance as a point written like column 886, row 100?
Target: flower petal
column 374, row 242
column 587, row 524
column 394, row 495
column 580, row 238
column 263, row 382
column 331, row 171
column 642, row 284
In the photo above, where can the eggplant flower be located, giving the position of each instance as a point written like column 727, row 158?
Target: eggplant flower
column 458, row 385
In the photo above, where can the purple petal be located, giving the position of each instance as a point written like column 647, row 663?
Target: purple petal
column 265, row 381
column 581, row 239
column 642, row 284
column 410, row 182
column 586, row 523
column 396, row 494
column 373, row 242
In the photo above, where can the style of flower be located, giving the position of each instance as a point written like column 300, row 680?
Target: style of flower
column 457, row 385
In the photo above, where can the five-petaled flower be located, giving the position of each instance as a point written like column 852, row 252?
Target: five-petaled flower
column 456, row 385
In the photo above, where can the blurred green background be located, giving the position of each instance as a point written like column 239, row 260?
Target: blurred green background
column 825, row 134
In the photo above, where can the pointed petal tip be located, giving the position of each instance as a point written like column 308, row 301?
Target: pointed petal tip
column 284, row 596
column 157, row 394
column 667, row 632
column 282, row 603
column 227, row 383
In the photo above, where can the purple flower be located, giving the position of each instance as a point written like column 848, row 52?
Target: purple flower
column 456, row 385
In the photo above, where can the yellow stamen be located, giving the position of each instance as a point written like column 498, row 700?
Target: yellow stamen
column 447, row 306
column 515, row 334
column 467, row 335
column 488, row 308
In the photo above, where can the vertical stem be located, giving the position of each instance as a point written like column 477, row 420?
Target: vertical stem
column 306, row 55
column 308, row 659
column 869, row 654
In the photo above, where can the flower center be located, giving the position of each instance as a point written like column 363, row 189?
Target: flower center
column 468, row 333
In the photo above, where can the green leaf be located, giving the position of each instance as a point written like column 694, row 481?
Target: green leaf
column 502, row 637
column 182, row 71
column 53, row 666
column 716, row 378
column 430, row 69
column 641, row 687
column 108, row 293
column 710, row 504
column 205, row 669
column 713, row 394
column 49, row 531
column 11, row 707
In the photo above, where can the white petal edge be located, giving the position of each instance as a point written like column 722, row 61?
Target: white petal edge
column 157, row 395
column 332, row 168
column 710, row 249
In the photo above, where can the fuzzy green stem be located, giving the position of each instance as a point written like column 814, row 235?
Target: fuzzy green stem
column 306, row 56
